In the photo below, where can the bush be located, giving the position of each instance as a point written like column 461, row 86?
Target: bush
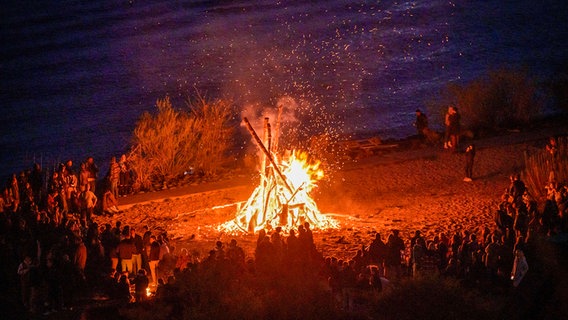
column 171, row 142
column 503, row 99
column 540, row 164
column 215, row 131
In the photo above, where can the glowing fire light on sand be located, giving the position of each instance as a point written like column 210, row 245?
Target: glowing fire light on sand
column 282, row 199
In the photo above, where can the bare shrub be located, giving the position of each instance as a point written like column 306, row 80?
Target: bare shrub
column 503, row 99
column 214, row 133
column 540, row 165
column 170, row 142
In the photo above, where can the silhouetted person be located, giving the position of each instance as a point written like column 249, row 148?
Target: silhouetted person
column 421, row 123
column 469, row 157
column 93, row 170
column 154, row 259
column 141, row 283
column 393, row 260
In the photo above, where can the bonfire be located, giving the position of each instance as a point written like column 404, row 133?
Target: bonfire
column 282, row 198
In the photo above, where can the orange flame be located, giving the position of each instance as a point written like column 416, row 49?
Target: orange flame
column 286, row 204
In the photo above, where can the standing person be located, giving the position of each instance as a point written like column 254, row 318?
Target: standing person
column 124, row 178
column 80, row 259
column 25, row 287
column 154, row 259
column 14, row 189
column 137, row 254
column 125, row 251
column 93, row 170
column 88, row 203
column 378, row 252
column 395, row 245
column 447, row 132
column 421, row 123
column 72, row 183
column 469, row 156
column 114, row 176
column 83, row 177
column 453, row 127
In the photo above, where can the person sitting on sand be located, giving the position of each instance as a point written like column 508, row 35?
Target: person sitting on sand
column 141, row 283
column 110, row 204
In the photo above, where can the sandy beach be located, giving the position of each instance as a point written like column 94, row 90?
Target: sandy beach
column 409, row 189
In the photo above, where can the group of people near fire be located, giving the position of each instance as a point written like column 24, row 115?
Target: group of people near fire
column 54, row 252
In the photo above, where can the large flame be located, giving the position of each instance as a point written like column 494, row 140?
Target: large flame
column 283, row 200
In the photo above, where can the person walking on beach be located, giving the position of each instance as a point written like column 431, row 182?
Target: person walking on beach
column 469, row 156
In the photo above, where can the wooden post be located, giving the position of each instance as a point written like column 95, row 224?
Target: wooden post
column 268, row 155
column 277, row 130
column 263, row 156
column 268, row 141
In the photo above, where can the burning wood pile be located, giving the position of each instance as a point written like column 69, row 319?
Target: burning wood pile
column 282, row 198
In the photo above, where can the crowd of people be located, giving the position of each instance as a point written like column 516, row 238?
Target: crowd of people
column 48, row 235
column 59, row 254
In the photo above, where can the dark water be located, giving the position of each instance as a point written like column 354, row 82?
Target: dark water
column 76, row 75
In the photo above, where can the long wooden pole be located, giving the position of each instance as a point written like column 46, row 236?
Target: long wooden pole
column 277, row 129
column 268, row 155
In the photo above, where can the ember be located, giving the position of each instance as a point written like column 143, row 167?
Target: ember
column 282, row 198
